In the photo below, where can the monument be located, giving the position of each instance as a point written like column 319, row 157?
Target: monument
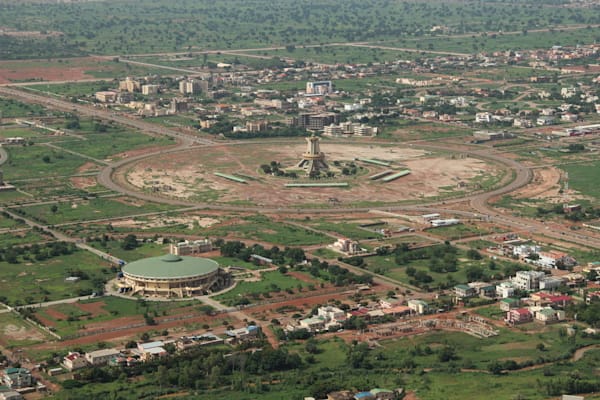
column 313, row 160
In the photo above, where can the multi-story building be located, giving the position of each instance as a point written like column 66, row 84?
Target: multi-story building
column 178, row 105
column 193, row 86
column 187, row 247
column 319, row 88
column 257, row 126
column 130, row 85
column 528, row 280
column 149, row 89
column 16, row 378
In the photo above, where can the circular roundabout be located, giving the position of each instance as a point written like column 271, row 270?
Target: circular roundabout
column 281, row 174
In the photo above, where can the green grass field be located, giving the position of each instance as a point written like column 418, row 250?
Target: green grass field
column 110, row 308
column 270, row 282
column 98, row 208
column 39, row 161
column 584, row 179
column 36, row 281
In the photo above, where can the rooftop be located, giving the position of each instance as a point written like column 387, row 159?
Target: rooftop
column 170, row 266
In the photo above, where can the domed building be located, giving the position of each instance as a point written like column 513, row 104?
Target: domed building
column 173, row 276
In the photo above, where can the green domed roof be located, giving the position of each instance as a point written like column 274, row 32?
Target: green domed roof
column 170, row 266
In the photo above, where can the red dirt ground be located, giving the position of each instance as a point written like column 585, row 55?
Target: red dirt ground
column 46, row 74
column 302, row 277
column 55, row 314
column 94, row 309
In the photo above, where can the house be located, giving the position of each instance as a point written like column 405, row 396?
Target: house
column 106, row 96
column 505, row 289
column 528, row 280
column 484, row 289
column 509, row 303
column 246, row 333
column 17, row 378
column 464, row 291
column 549, row 299
column 548, row 315
column 74, row 360
column 550, row 283
column 555, row 259
column 518, row 316
column 10, row 395
column 331, row 314
column 101, row 357
column 151, row 350
column 383, row 394
column 341, row 395
column 364, row 396
column 545, row 120
column 418, row 306
column 389, row 302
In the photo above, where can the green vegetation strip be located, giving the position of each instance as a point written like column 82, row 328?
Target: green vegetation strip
column 376, row 162
column 334, row 184
column 396, row 175
column 230, row 177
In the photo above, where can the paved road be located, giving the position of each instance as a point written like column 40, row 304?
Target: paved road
column 479, row 202
column 90, row 111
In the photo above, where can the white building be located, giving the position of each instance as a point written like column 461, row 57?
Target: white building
column 505, row 289
column 149, row 89
column 418, row 306
column 528, row 280
column 190, row 247
column 101, row 357
column 444, row 222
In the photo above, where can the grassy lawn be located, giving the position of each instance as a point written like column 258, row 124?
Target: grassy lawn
column 346, row 229
column 97, row 208
column 459, row 231
column 14, row 108
column 270, row 282
column 39, row 162
column 143, row 251
column 386, row 265
column 261, row 228
column 115, row 141
column 111, row 308
column 584, row 178
column 8, row 240
column 32, row 282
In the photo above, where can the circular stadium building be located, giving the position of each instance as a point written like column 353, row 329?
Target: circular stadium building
column 173, row 276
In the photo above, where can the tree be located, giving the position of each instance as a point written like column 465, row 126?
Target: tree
column 130, row 242
column 53, row 208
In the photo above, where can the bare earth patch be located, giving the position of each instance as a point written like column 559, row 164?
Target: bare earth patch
column 14, row 332
column 190, row 175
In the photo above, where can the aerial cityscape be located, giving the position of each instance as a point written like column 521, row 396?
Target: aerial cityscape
column 303, row 200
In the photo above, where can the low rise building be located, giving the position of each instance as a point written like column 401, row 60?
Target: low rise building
column 74, row 360
column 187, row 247
column 17, row 378
column 418, row 306
column 518, row 316
column 101, row 357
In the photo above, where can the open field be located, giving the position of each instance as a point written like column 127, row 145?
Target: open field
column 97, row 208
column 67, row 69
column 271, row 284
column 35, row 281
column 16, row 332
column 91, row 315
